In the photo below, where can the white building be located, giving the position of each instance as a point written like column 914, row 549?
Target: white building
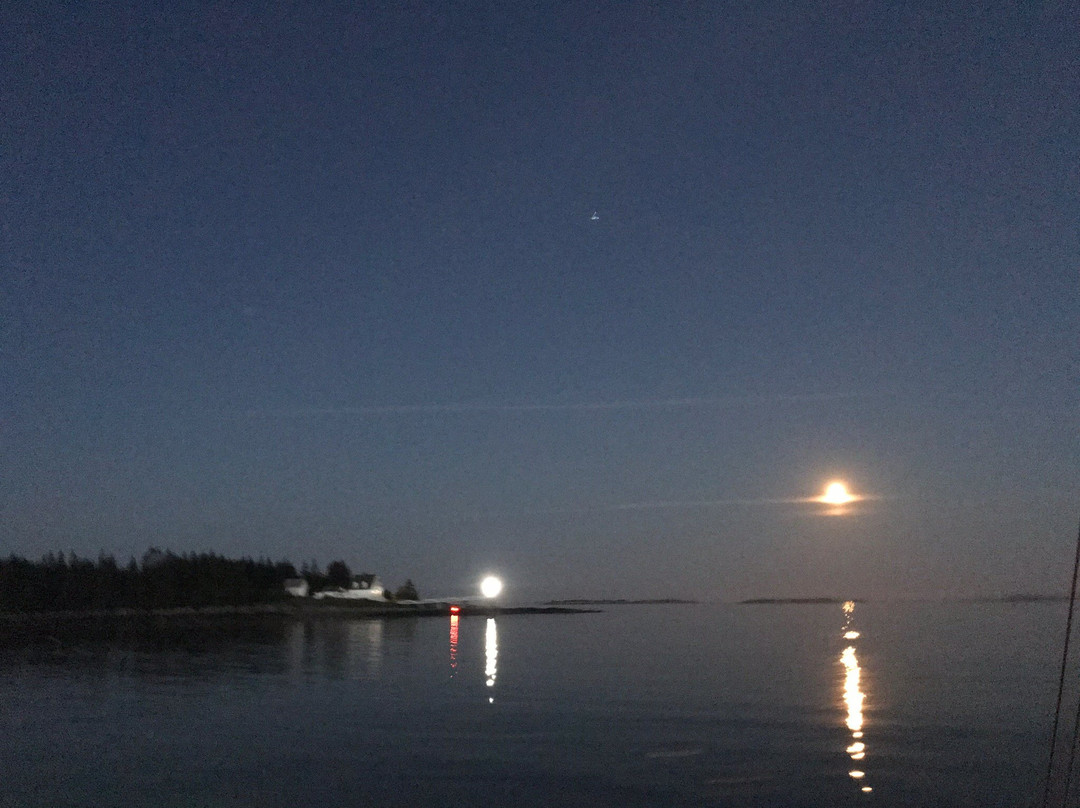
column 363, row 587
column 297, row 587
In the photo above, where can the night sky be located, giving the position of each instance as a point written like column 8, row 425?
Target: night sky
column 324, row 280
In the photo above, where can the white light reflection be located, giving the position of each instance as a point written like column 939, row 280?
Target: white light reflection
column 365, row 638
column 491, row 655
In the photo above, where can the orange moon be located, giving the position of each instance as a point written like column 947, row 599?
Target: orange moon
column 836, row 493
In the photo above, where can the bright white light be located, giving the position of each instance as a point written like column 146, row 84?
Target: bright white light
column 491, row 586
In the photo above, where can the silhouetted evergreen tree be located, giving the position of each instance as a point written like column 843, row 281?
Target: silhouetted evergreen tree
column 407, row 591
column 339, row 574
column 164, row 580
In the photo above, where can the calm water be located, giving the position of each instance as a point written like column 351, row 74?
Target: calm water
column 637, row 706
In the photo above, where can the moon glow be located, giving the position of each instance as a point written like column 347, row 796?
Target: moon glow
column 491, row 586
column 836, row 493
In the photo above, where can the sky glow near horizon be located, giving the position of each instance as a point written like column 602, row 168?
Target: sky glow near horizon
column 329, row 285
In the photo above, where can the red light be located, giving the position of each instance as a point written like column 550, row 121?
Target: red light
column 455, row 609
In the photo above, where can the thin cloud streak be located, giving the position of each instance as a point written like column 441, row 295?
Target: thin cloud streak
column 678, row 505
column 592, row 406
column 666, row 505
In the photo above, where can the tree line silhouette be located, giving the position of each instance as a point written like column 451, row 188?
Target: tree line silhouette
column 160, row 580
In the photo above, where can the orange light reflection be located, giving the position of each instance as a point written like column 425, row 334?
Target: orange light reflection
column 853, row 695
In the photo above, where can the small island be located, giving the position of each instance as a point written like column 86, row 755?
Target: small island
column 798, row 601
column 1020, row 597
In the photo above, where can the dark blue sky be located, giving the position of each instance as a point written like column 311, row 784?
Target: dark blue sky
column 322, row 280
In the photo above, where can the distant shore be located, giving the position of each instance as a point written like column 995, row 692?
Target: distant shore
column 307, row 609
column 618, row 602
column 837, row 601
column 797, row 601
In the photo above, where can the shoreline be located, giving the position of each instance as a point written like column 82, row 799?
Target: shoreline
column 302, row 610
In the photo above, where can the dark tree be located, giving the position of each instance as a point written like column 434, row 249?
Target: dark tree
column 63, row 583
column 285, row 569
column 338, row 573
column 407, row 591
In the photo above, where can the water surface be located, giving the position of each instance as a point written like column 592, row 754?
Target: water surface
column 887, row 704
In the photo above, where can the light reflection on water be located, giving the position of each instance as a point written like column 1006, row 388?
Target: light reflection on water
column 491, row 655
column 491, row 652
column 453, row 644
column 365, row 639
column 853, row 696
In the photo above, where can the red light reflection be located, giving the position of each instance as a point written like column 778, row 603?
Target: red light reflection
column 453, row 641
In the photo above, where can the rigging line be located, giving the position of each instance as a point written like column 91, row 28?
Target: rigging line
column 1061, row 685
column 1072, row 749
column 1072, row 757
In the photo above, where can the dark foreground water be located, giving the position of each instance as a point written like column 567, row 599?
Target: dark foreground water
column 931, row 704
